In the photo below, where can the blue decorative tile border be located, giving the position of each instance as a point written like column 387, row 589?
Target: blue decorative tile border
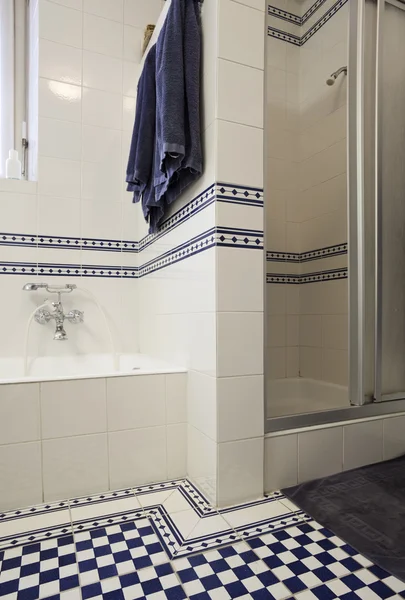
column 300, row 40
column 219, row 531
column 327, row 275
column 221, row 236
column 216, row 236
column 317, row 254
column 305, row 257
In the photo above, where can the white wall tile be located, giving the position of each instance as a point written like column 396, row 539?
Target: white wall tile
column 239, row 280
column 26, row 488
column 134, row 402
column 240, row 471
column 50, row 223
column 19, row 413
column 102, row 35
column 59, row 100
column 60, row 24
column 76, row 4
column 133, row 38
column 320, row 453
column 130, row 76
column 140, row 14
column 363, row 444
column 203, row 342
column 240, row 94
column 394, row 437
column 101, row 220
column 137, row 457
column 202, row 403
column 233, row 162
column 177, row 450
column 102, row 109
column 109, row 9
column 240, row 344
column 58, row 176
column 280, row 462
column 240, row 402
column 60, row 62
column 276, row 363
column 75, row 466
column 202, row 462
column 59, row 139
column 99, row 183
column 102, row 72
column 176, row 398
column 244, row 41
column 258, row 4
column 128, row 113
column 75, row 407
column 101, row 145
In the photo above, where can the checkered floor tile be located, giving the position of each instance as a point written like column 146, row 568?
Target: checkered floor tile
column 231, row 572
column 116, row 550
column 122, row 556
column 41, row 570
column 153, row 583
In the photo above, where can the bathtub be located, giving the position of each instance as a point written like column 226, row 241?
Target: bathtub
column 85, row 366
column 76, row 426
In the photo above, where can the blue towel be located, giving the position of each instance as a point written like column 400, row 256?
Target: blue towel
column 178, row 156
column 140, row 162
column 165, row 155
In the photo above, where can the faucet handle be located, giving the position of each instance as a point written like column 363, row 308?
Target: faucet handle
column 75, row 316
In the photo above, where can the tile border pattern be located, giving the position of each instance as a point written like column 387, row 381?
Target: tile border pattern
column 170, row 537
column 306, row 257
column 300, row 40
column 216, row 236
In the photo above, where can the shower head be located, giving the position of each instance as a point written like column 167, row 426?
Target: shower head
column 32, row 287
column 331, row 80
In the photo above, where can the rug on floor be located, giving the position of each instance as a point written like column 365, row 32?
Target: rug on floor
column 365, row 507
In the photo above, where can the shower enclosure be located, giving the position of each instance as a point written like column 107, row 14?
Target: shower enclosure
column 335, row 212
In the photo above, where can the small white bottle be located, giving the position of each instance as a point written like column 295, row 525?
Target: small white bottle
column 13, row 165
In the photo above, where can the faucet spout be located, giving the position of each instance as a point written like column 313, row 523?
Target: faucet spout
column 60, row 334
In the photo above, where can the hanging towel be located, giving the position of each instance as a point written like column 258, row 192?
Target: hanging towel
column 178, row 156
column 140, row 162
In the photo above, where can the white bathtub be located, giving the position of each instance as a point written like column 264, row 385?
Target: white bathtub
column 75, row 426
column 86, row 366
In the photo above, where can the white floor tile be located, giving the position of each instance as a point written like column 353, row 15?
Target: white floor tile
column 254, row 514
column 101, row 509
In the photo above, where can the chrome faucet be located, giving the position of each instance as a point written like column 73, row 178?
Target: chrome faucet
column 43, row 315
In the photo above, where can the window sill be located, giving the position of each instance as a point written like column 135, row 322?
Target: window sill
column 20, row 186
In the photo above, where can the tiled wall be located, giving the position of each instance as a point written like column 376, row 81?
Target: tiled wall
column 296, row 457
column 100, row 434
column 74, row 220
column 195, row 288
column 206, row 311
column 306, row 223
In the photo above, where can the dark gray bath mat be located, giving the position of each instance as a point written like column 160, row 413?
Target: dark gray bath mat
column 365, row 507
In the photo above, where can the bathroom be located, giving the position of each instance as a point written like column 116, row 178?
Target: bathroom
column 251, row 344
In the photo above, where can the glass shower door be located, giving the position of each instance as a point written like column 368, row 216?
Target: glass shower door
column 390, row 203
column 377, row 200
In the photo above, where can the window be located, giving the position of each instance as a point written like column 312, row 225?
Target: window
column 13, row 105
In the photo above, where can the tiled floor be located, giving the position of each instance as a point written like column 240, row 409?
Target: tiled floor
column 166, row 542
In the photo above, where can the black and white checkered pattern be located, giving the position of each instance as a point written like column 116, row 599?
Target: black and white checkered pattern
column 117, row 550
column 153, row 583
column 40, row 570
column 231, row 572
column 309, row 557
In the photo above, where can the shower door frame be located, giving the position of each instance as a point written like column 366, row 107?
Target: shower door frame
column 365, row 319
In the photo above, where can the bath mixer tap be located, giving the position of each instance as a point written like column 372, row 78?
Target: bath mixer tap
column 43, row 315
